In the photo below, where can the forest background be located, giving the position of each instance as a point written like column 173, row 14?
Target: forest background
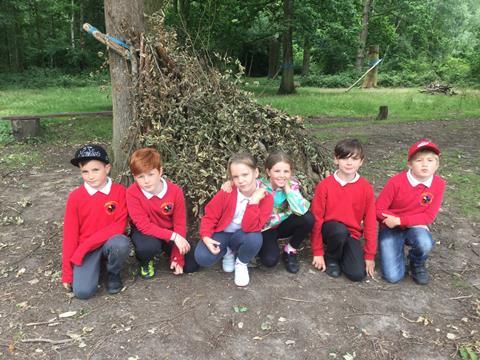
column 420, row 40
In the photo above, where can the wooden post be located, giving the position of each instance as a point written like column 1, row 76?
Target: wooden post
column 123, row 20
column 23, row 129
column 382, row 112
column 372, row 77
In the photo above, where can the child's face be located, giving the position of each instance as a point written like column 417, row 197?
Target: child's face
column 279, row 174
column 423, row 165
column 348, row 167
column 95, row 173
column 244, row 178
column 150, row 181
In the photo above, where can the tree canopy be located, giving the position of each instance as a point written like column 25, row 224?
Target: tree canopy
column 420, row 39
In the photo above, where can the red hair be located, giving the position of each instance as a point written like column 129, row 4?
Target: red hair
column 143, row 160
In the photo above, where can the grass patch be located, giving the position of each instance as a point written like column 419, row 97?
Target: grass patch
column 404, row 104
column 20, row 156
column 462, row 182
column 54, row 100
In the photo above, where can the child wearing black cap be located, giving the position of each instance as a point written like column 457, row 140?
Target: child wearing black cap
column 408, row 203
column 94, row 226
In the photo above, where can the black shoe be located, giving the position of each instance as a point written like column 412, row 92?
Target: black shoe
column 419, row 273
column 291, row 262
column 114, row 283
column 333, row 269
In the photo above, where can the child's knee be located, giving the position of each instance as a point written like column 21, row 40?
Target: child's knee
column 84, row 292
column 356, row 276
column 269, row 261
column 393, row 276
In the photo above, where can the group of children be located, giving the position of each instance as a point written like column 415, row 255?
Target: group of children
column 248, row 216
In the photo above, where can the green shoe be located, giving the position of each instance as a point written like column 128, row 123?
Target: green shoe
column 147, row 270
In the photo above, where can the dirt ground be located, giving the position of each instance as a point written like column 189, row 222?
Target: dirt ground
column 204, row 316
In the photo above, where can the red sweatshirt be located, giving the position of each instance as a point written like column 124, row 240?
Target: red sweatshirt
column 417, row 205
column 90, row 220
column 352, row 205
column 159, row 217
column 220, row 211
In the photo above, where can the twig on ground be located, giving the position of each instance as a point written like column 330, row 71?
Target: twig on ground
column 461, row 297
column 50, row 341
column 367, row 314
column 297, row 300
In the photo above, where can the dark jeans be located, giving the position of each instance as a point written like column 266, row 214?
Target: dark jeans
column 296, row 227
column 146, row 247
column 85, row 276
column 245, row 244
column 344, row 249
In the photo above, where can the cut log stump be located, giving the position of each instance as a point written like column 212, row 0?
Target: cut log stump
column 382, row 112
column 24, row 129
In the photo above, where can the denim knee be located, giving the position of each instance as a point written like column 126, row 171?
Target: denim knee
column 420, row 240
column 85, row 292
column 203, row 257
column 393, row 277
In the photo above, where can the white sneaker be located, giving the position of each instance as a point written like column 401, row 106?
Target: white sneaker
column 241, row 274
column 228, row 262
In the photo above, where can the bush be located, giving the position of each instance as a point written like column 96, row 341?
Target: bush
column 344, row 79
column 37, row 78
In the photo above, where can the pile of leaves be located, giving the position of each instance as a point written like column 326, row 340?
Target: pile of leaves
column 197, row 117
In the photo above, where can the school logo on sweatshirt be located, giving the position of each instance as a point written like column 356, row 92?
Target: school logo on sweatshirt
column 426, row 199
column 110, row 207
column 167, row 208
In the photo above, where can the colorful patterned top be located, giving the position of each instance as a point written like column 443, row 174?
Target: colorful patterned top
column 285, row 204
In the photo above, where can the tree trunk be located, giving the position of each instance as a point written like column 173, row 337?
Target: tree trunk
column 38, row 30
column 81, row 36
column 273, row 56
column 362, row 38
column 18, row 41
column 123, row 20
column 72, row 24
column 370, row 80
column 307, row 47
column 287, row 85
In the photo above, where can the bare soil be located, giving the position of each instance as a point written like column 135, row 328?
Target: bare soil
column 285, row 316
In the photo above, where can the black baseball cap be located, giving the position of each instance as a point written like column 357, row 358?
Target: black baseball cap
column 90, row 152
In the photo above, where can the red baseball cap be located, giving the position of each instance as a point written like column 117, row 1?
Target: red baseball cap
column 423, row 144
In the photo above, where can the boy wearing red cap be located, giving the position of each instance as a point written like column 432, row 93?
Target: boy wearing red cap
column 94, row 226
column 408, row 203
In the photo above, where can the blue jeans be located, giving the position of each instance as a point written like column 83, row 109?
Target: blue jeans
column 392, row 258
column 246, row 245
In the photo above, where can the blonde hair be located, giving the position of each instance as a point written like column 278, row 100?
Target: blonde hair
column 241, row 158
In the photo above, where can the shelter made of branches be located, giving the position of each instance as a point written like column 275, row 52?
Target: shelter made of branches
column 197, row 117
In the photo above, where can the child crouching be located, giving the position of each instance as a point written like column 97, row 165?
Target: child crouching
column 94, row 226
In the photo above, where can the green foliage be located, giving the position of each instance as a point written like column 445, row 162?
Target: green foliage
column 340, row 80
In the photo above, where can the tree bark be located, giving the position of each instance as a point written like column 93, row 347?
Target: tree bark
column 362, row 38
column 287, row 85
column 371, row 79
column 307, row 47
column 123, row 20
column 273, row 56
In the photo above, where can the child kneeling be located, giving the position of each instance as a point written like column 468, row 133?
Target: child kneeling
column 159, row 221
column 233, row 221
column 408, row 203
column 94, row 226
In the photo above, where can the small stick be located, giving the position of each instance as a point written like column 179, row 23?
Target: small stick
column 50, row 341
column 461, row 297
column 42, row 323
column 298, row 300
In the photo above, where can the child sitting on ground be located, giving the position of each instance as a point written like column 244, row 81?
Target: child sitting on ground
column 94, row 226
column 408, row 203
column 232, row 224
column 157, row 210
column 344, row 210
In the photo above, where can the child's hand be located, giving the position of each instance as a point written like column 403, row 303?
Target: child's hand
column 319, row 263
column 181, row 243
column 391, row 221
column 287, row 188
column 227, row 186
column 177, row 269
column 67, row 286
column 212, row 245
column 258, row 195
column 370, row 268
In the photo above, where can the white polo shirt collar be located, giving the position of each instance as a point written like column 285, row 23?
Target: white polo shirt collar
column 343, row 182
column 414, row 182
column 160, row 195
column 104, row 190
